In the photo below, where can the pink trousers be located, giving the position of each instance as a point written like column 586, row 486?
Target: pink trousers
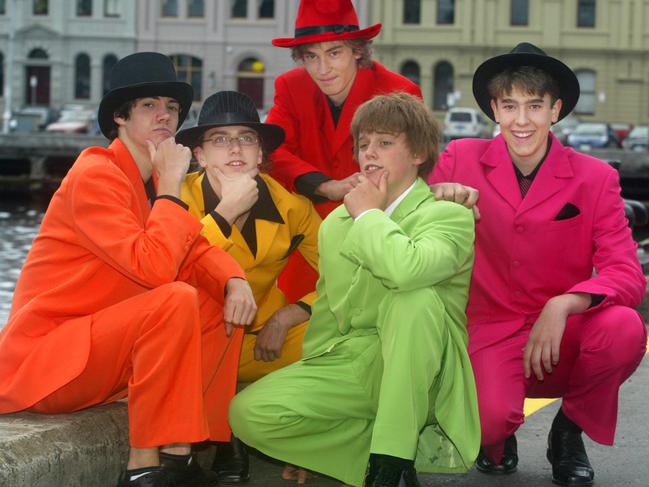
column 599, row 351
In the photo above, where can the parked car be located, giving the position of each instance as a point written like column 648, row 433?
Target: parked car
column 622, row 130
column 638, row 139
column 589, row 135
column 564, row 127
column 32, row 119
column 465, row 122
column 77, row 119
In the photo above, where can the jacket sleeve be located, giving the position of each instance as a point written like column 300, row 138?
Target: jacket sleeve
column 445, row 166
column 151, row 252
column 618, row 275
column 442, row 245
column 309, row 224
column 287, row 166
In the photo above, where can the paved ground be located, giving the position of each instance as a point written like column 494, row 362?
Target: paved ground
column 625, row 464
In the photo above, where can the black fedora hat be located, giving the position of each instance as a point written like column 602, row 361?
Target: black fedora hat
column 231, row 108
column 526, row 54
column 140, row 75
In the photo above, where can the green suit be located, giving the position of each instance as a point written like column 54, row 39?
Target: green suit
column 385, row 367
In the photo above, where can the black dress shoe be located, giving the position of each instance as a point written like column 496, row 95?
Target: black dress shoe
column 388, row 471
column 508, row 462
column 567, row 454
column 187, row 473
column 231, row 462
column 156, row 477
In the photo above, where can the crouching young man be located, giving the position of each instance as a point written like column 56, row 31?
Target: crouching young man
column 385, row 376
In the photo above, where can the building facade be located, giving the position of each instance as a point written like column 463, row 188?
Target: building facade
column 63, row 49
column 440, row 43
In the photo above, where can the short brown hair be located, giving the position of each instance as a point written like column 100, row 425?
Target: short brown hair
column 359, row 46
column 401, row 113
column 529, row 79
column 122, row 111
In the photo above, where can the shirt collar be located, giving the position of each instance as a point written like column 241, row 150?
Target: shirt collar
column 393, row 206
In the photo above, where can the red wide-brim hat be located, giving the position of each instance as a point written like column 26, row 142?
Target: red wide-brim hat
column 326, row 20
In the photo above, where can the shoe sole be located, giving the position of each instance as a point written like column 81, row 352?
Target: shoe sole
column 489, row 471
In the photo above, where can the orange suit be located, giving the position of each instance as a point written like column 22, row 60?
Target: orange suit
column 119, row 298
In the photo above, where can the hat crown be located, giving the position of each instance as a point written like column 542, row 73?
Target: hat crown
column 325, row 12
column 527, row 48
column 228, row 106
column 142, row 67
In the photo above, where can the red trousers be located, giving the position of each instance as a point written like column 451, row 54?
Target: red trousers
column 166, row 350
column 599, row 351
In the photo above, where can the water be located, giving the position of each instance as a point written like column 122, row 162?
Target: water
column 19, row 223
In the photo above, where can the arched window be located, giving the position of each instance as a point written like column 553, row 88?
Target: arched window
column 37, row 54
column 106, row 66
column 190, row 70
column 445, row 11
column 443, row 85
column 586, row 104
column 266, row 9
column 195, row 8
column 410, row 69
column 238, row 9
column 411, row 11
column 520, row 12
column 82, row 77
column 2, row 75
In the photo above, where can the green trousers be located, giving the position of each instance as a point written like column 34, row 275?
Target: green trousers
column 404, row 388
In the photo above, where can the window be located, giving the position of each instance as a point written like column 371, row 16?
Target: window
column 40, row 7
column 520, row 12
column 586, row 104
column 239, row 9
column 195, row 8
column 266, row 9
column 586, row 13
column 82, row 77
column 2, row 75
column 107, row 65
column 111, row 8
column 169, row 8
column 37, row 54
column 3, row 7
column 411, row 11
column 84, row 8
column 190, row 70
column 443, row 85
column 445, row 11
column 410, row 69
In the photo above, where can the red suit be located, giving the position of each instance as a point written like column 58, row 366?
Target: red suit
column 119, row 298
column 314, row 144
column 526, row 253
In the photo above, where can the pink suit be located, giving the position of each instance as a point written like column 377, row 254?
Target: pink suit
column 525, row 256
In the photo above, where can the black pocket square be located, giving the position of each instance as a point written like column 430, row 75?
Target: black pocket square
column 295, row 241
column 568, row 211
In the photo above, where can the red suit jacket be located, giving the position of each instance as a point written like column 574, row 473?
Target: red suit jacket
column 99, row 244
column 570, row 223
column 312, row 142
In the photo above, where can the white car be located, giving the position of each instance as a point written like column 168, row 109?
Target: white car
column 465, row 122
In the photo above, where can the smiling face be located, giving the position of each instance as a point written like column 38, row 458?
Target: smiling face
column 333, row 66
column 525, row 120
column 232, row 158
column 152, row 118
column 383, row 151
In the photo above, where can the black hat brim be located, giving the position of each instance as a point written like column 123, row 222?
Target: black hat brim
column 178, row 90
column 271, row 135
column 562, row 74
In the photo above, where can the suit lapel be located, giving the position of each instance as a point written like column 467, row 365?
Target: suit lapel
column 266, row 231
column 499, row 171
column 419, row 193
column 122, row 158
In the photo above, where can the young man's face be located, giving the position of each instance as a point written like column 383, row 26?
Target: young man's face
column 234, row 150
column 525, row 120
column 153, row 118
column 333, row 67
column 383, row 151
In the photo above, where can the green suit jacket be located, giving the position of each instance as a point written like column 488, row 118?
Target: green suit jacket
column 424, row 244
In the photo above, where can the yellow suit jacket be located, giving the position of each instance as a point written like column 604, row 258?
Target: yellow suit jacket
column 275, row 241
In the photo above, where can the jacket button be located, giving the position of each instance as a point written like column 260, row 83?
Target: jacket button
column 517, row 294
column 520, row 228
column 516, row 263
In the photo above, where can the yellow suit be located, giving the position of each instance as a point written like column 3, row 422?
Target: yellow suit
column 294, row 224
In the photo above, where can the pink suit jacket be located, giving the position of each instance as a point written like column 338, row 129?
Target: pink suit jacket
column 524, row 254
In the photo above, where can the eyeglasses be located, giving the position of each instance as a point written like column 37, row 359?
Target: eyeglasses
column 223, row 141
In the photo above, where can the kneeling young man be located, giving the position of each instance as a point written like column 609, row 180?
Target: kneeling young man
column 385, row 375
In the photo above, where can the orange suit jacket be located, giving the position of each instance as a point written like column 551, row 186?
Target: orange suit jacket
column 100, row 243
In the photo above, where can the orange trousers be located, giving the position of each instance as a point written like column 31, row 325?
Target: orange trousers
column 166, row 350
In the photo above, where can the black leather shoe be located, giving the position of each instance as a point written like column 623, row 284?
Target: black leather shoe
column 187, row 474
column 388, row 471
column 231, row 462
column 508, row 462
column 567, row 454
column 155, row 478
